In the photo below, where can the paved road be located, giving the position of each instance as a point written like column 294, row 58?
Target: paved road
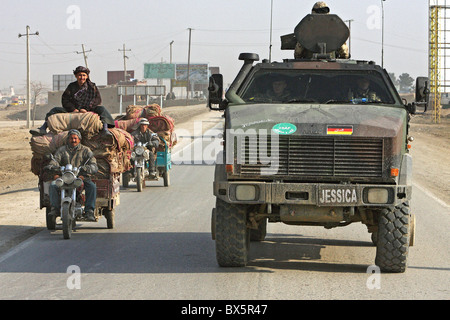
column 162, row 249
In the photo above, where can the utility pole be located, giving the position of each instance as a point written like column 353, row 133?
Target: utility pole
column 124, row 62
column 350, row 36
column 84, row 54
column 171, row 89
column 382, row 34
column 28, row 34
column 270, row 44
column 189, row 66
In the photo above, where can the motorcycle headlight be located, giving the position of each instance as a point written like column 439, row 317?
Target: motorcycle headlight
column 59, row 182
column 139, row 150
column 78, row 182
column 68, row 177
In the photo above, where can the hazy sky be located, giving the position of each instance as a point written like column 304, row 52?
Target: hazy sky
column 221, row 30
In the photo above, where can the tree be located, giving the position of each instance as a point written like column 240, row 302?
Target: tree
column 405, row 82
column 37, row 88
column 394, row 79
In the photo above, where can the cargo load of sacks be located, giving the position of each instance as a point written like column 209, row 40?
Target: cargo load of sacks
column 112, row 152
column 161, row 124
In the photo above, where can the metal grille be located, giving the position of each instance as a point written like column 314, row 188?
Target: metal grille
column 320, row 156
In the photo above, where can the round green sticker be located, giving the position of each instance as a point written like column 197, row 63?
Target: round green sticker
column 284, row 128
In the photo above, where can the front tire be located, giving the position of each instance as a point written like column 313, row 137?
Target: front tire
column 67, row 223
column 232, row 235
column 139, row 179
column 393, row 239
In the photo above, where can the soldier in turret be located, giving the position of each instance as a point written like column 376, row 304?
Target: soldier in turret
column 320, row 7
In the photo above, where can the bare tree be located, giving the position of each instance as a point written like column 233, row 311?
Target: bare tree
column 37, row 89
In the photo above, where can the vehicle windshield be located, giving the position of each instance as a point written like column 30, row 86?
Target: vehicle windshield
column 325, row 86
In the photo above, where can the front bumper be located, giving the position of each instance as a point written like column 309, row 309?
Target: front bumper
column 318, row 194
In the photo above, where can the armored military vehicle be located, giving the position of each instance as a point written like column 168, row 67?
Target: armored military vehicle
column 321, row 141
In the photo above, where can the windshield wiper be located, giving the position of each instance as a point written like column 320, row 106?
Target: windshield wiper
column 301, row 101
column 338, row 101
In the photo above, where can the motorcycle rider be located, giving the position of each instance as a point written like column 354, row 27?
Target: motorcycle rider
column 80, row 96
column 78, row 155
column 143, row 134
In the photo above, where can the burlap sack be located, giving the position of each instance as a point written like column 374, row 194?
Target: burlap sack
column 128, row 125
column 49, row 143
column 152, row 110
column 87, row 123
column 133, row 112
column 161, row 123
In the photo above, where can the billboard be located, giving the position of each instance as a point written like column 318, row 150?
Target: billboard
column 61, row 81
column 159, row 71
column 198, row 74
column 114, row 77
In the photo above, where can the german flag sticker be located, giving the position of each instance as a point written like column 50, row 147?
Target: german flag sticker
column 340, row 130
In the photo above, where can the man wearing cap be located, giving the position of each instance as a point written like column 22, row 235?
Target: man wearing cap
column 78, row 155
column 143, row 134
column 320, row 7
column 80, row 96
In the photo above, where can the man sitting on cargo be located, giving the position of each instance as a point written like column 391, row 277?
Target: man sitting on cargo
column 143, row 134
column 80, row 96
column 78, row 155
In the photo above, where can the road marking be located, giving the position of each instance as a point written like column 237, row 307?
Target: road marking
column 431, row 195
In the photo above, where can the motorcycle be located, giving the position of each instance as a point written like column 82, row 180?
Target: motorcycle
column 139, row 172
column 72, row 200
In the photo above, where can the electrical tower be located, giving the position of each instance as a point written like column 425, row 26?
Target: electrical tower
column 439, row 63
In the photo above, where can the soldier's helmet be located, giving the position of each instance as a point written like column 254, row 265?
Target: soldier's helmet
column 144, row 122
column 320, row 7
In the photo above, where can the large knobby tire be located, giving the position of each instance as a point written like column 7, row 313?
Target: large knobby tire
column 67, row 223
column 393, row 239
column 232, row 235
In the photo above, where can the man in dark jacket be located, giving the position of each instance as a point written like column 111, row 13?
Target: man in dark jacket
column 143, row 134
column 80, row 96
column 77, row 155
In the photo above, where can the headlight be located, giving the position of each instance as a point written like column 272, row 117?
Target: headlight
column 78, row 182
column 377, row 195
column 245, row 192
column 139, row 150
column 68, row 177
column 59, row 182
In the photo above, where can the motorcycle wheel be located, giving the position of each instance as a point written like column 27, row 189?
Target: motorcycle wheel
column 166, row 177
column 125, row 179
column 109, row 215
column 67, row 223
column 50, row 219
column 139, row 179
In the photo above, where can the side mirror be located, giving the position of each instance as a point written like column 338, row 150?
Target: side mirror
column 215, row 90
column 422, row 92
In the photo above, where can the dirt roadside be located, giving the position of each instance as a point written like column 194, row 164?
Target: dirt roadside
column 20, row 216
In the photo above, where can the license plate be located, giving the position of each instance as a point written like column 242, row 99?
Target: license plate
column 336, row 195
